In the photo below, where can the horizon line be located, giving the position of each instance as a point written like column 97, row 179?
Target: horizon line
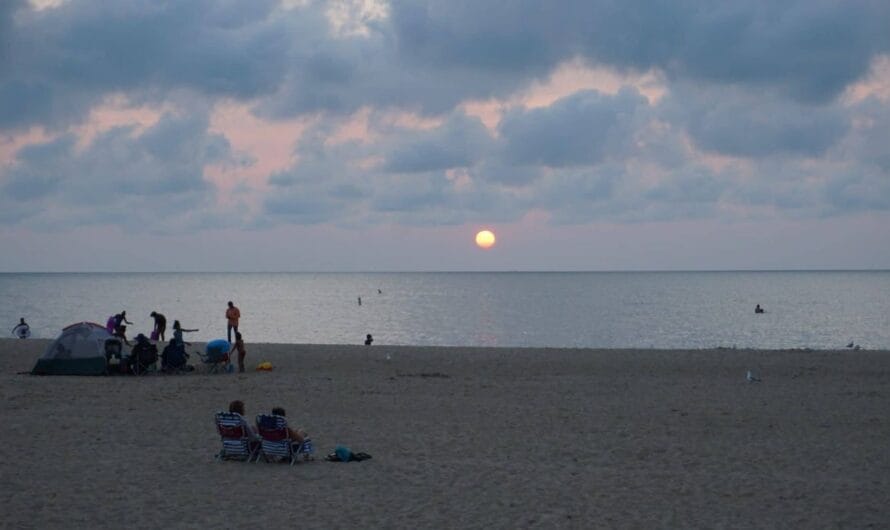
column 451, row 271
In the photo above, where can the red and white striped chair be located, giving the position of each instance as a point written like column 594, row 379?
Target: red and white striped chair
column 276, row 443
column 238, row 442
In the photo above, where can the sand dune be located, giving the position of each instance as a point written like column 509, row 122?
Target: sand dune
column 462, row 438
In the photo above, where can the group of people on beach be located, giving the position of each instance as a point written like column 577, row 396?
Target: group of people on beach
column 174, row 357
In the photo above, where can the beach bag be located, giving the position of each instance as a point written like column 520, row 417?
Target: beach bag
column 154, row 335
column 344, row 454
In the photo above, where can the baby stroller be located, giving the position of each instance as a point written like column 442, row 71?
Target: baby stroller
column 175, row 359
column 216, row 355
column 114, row 350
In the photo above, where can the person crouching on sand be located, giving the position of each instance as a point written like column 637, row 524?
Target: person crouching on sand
column 239, row 345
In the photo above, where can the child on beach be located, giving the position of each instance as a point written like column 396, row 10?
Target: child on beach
column 239, row 345
column 178, row 330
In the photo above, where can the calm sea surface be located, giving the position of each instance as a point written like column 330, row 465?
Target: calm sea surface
column 559, row 309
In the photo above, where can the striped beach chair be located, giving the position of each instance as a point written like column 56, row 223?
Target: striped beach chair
column 275, row 442
column 236, row 438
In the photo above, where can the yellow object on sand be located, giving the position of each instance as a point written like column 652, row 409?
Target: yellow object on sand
column 264, row 366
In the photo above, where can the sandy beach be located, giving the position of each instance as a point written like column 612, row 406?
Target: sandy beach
column 461, row 438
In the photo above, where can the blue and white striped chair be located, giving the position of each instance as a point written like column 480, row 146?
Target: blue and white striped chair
column 237, row 440
column 276, row 443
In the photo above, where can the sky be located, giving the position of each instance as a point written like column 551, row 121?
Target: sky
column 366, row 135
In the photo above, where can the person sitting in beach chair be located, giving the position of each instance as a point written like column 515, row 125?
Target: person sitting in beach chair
column 278, row 441
column 239, row 440
column 175, row 359
column 216, row 355
column 143, row 355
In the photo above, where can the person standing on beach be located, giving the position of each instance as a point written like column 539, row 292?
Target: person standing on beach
column 232, row 316
column 121, row 319
column 239, row 345
column 120, row 330
column 160, row 325
column 178, row 330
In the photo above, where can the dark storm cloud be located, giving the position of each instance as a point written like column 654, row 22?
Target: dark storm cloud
column 460, row 142
column 754, row 80
column 61, row 61
column 582, row 129
column 738, row 123
column 805, row 50
column 428, row 56
column 41, row 168
column 124, row 176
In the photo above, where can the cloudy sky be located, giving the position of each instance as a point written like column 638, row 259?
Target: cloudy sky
column 382, row 135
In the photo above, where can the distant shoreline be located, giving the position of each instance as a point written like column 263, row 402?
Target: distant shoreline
column 542, row 271
column 8, row 343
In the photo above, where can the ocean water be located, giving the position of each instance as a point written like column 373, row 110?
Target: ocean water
column 824, row 309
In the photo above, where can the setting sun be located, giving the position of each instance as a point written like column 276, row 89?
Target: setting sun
column 485, row 239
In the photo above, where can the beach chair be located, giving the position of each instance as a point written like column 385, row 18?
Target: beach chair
column 143, row 358
column 237, row 443
column 174, row 359
column 275, row 442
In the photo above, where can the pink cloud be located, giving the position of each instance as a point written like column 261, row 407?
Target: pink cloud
column 568, row 78
column 876, row 84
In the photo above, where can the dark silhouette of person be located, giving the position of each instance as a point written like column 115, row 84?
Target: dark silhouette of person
column 239, row 346
column 160, row 324
column 368, row 339
column 758, row 310
column 178, row 330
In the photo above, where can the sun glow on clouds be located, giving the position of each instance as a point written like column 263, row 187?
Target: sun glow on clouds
column 40, row 5
column 568, row 78
column 116, row 111
column 876, row 84
column 269, row 143
column 349, row 18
